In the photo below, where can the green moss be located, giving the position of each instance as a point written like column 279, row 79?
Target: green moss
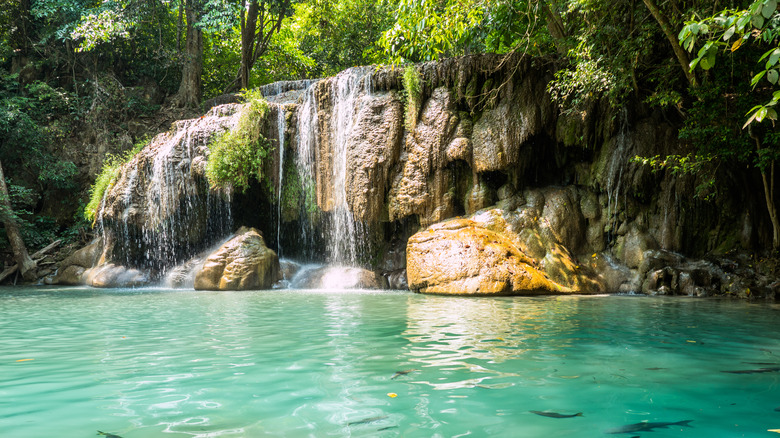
column 297, row 194
column 413, row 94
column 489, row 94
column 237, row 155
column 107, row 177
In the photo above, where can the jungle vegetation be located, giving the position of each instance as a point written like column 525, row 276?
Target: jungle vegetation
column 77, row 75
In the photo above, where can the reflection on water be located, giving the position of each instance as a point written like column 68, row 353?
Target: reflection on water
column 321, row 363
column 448, row 332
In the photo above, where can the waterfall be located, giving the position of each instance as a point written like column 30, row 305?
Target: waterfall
column 617, row 164
column 305, row 166
column 161, row 210
column 346, row 96
column 341, row 233
column 281, row 126
column 281, row 87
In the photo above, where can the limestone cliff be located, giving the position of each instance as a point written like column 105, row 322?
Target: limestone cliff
column 350, row 179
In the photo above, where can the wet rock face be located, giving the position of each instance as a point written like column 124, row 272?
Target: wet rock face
column 111, row 275
column 524, row 245
column 466, row 257
column 372, row 149
column 87, row 267
column 243, row 263
column 423, row 184
column 161, row 210
column 501, row 131
column 671, row 274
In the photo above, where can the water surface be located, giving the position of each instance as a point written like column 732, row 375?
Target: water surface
column 178, row 363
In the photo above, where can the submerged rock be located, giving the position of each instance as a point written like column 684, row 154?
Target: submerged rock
column 288, row 269
column 338, row 277
column 397, row 279
column 111, row 275
column 243, row 263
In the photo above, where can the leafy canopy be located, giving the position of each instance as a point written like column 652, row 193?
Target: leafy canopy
column 730, row 30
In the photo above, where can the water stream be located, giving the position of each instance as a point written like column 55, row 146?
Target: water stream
column 349, row 88
column 618, row 162
column 281, row 126
column 162, row 213
column 305, row 167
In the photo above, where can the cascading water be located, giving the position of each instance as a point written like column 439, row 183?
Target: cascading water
column 280, row 87
column 617, row 163
column 346, row 96
column 281, row 126
column 161, row 210
column 305, row 162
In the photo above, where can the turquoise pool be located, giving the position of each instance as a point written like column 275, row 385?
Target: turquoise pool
column 286, row 363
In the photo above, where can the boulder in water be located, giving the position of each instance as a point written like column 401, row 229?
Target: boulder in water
column 460, row 257
column 72, row 269
column 397, row 279
column 243, row 263
column 111, row 275
column 338, row 277
column 289, row 268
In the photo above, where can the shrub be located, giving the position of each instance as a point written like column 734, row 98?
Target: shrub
column 413, row 91
column 107, row 177
column 237, row 155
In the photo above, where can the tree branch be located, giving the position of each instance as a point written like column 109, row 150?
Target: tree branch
column 682, row 57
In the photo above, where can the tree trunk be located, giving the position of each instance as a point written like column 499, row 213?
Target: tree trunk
column 189, row 88
column 769, row 193
column 26, row 265
column 671, row 35
column 769, row 190
column 556, row 28
column 179, row 25
column 257, row 26
column 247, row 43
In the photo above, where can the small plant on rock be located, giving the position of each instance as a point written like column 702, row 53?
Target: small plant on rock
column 237, row 155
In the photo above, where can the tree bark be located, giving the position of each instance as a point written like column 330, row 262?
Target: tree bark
column 556, row 28
column 769, row 190
column 248, row 29
column 26, row 265
column 190, row 86
column 671, row 35
column 769, row 193
column 257, row 25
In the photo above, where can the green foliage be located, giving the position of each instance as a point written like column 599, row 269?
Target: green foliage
column 586, row 80
column 237, row 155
column 284, row 60
column 298, row 194
column 30, row 126
column 684, row 164
column 728, row 31
column 331, row 35
column 700, row 165
column 105, row 180
column 664, row 99
column 100, row 26
column 413, row 95
column 428, row 30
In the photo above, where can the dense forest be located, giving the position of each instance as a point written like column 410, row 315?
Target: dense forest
column 83, row 83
